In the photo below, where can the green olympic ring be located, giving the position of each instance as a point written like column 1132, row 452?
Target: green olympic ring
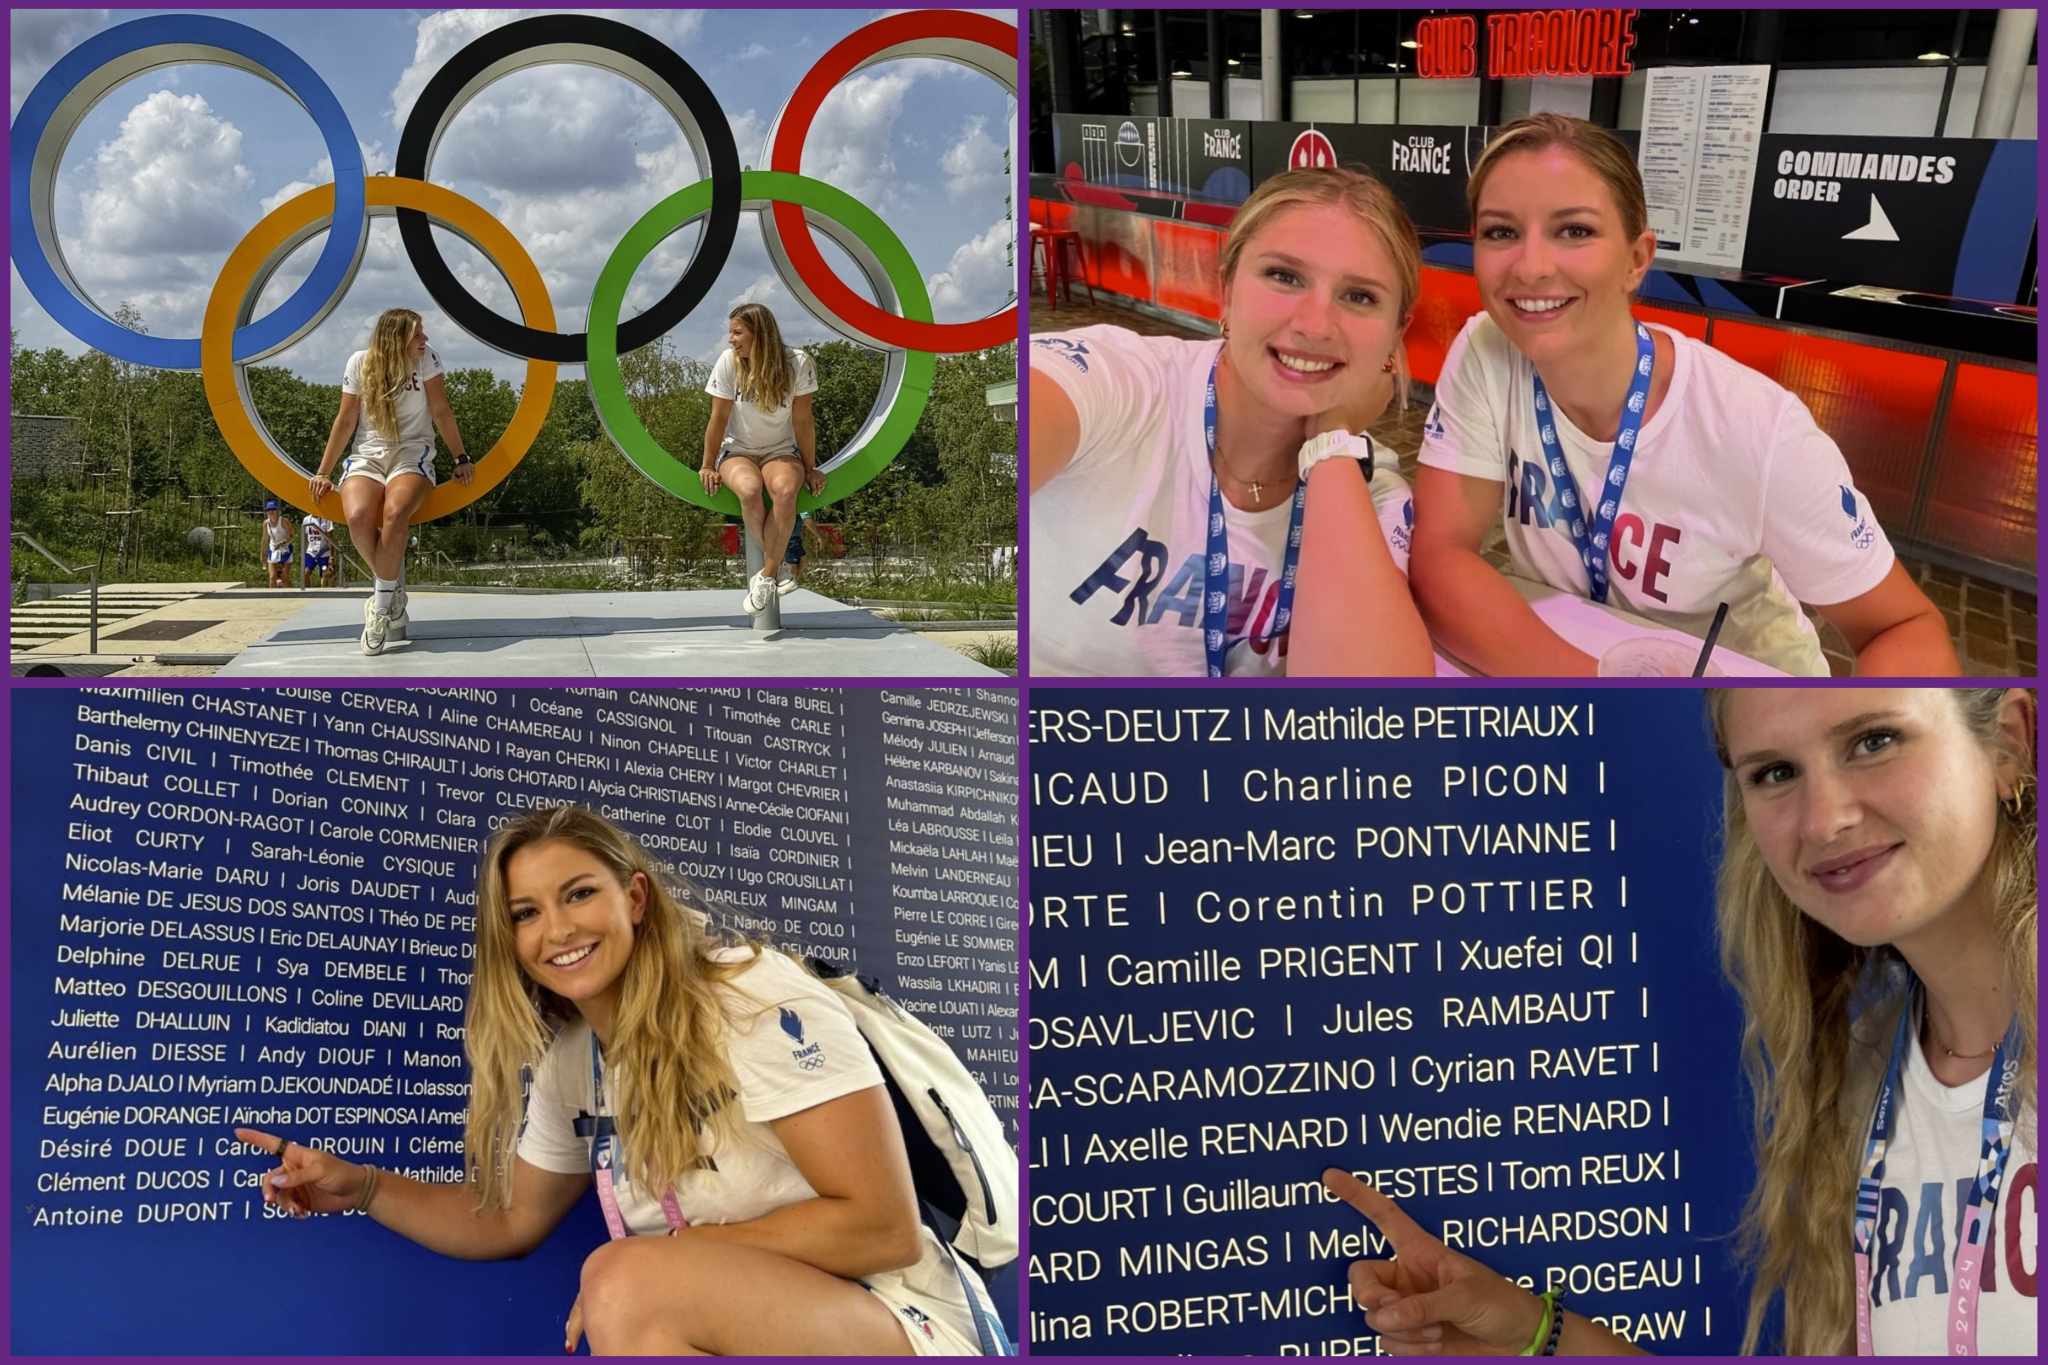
column 865, row 237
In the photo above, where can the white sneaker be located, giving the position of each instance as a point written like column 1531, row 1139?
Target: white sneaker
column 760, row 591
column 785, row 579
column 375, row 631
column 399, row 619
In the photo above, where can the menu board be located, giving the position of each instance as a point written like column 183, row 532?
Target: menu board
column 1458, row 942
column 257, row 907
column 1701, row 128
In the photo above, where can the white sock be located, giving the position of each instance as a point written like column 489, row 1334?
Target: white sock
column 385, row 588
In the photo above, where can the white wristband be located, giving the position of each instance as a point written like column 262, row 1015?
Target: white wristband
column 1317, row 449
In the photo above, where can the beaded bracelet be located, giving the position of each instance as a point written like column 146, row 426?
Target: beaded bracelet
column 1550, row 1329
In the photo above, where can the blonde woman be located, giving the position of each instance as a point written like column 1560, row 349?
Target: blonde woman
column 1176, row 528
column 393, row 399
column 1877, row 910
column 744, row 1148
column 1627, row 462
column 762, row 439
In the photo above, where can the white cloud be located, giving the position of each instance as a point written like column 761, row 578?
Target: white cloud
column 979, row 278
column 441, row 35
column 973, row 165
column 752, row 52
column 38, row 39
column 848, row 144
column 144, row 201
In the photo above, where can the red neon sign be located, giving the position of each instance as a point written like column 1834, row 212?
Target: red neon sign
column 1558, row 42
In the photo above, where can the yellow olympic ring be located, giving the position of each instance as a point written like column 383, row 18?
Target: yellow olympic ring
column 233, row 303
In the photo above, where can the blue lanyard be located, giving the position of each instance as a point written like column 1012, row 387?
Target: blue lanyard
column 1976, row 1220
column 1216, row 582
column 1593, row 546
column 603, row 1127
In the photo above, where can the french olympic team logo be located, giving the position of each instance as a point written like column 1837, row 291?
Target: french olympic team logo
column 1215, row 523
column 1216, row 601
column 1599, row 540
column 1627, row 441
column 1861, row 534
column 1214, row 638
column 1643, row 365
column 1549, row 433
column 1568, row 498
column 809, row 1058
column 1635, row 402
column 1311, row 150
column 1216, row 563
column 1615, row 476
column 1607, row 509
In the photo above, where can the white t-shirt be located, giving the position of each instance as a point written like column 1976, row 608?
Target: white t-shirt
column 793, row 1046
column 1928, row 1171
column 756, row 430
column 317, row 529
column 1120, row 538
column 1734, row 495
column 409, row 405
column 280, row 532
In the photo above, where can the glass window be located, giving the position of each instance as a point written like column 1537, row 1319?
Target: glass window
column 1851, row 37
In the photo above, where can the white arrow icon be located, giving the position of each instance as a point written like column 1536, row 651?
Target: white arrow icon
column 1878, row 229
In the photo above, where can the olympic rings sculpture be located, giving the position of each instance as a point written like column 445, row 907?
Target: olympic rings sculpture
column 789, row 206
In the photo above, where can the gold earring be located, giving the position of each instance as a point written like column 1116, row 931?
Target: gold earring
column 2014, row 802
column 1388, row 368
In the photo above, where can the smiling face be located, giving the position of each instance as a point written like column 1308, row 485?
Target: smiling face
column 1875, row 810
column 1313, row 310
column 573, row 923
column 419, row 340
column 740, row 337
column 1552, row 256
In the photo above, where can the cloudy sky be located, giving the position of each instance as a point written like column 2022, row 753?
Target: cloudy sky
column 172, row 169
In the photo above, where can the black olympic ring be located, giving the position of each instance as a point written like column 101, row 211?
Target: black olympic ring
column 612, row 46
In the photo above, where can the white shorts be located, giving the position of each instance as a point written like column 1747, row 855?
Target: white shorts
column 927, row 1301
column 281, row 555
column 759, row 457
column 384, row 465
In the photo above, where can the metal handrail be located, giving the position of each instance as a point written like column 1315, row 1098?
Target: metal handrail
column 92, row 586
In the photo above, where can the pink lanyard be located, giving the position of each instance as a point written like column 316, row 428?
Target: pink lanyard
column 1966, row 1284
column 602, row 1131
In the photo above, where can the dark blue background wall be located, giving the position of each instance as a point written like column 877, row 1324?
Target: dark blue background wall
column 1207, row 1036
column 191, row 867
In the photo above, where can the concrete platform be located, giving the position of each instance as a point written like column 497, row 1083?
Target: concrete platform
column 697, row 634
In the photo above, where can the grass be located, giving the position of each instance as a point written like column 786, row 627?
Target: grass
column 1000, row 654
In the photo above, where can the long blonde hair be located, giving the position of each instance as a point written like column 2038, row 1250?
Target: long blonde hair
column 1808, row 1077
column 667, row 1052
column 1354, row 189
column 387, row 366
column 765, row 374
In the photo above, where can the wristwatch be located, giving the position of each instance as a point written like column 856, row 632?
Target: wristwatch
column 1317, row 449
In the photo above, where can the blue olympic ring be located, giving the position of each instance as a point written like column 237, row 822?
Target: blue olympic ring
column 87, row 73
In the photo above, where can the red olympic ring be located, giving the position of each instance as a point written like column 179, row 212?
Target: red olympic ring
column 787, row 156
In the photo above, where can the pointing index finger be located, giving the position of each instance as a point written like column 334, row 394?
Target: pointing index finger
column 261, row 1141
column 1403, row 1233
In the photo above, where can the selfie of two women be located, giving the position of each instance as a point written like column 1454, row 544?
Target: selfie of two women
column 1572, row 321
